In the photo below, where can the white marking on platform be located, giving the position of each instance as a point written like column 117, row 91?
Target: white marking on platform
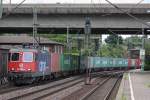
column 131, row 88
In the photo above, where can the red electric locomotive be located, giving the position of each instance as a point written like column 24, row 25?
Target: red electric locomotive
column 136, row 57
column 28, row 65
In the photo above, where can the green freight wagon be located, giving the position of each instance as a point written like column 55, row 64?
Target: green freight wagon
column 69, row 62
column 74, row 63
column 65, row 62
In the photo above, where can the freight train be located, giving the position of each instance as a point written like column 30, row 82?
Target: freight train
column 31, row 65
column 28, row 65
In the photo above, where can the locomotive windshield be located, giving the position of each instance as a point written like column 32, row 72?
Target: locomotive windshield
column 15, row 57
column 134, row 54
column 27, row 57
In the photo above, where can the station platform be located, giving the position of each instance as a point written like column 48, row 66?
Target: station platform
column 135, row 85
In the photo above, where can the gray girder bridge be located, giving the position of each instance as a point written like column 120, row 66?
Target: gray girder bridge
column 55, row 18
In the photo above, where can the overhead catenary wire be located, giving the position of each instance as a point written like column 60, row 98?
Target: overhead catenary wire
column 136, row 5
column 95, row 5
column 34, row 20
column 13, row 9
column 135, row 18
column 130, row 15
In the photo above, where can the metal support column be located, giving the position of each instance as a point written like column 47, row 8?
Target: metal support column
column 35, row 40
column 87, row 31
column 143, row 38
column 68, row 40
column 96, row 46
column 100, row 45
column 69, row 44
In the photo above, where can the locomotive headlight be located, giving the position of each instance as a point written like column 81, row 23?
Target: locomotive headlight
column 29, row 69
column 21, row 65
column 12, row 69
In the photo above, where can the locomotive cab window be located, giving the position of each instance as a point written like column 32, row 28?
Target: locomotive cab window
column 15, row 57
column 27, row 57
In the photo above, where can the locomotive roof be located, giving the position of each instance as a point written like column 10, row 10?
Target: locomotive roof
column 1, row 48
column 23, row 50
column 25, row 39
column 4, row 50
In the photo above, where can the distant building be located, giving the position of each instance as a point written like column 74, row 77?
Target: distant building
column 17, row 41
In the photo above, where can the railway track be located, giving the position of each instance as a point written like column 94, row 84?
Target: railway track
column 107, row 97
column 42, row 93
column 9, row 87
column 59, row 89
column 13, row 93
column 103, row 90
column 102, row 79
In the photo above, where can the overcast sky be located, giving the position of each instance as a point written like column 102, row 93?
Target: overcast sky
column 77, row 1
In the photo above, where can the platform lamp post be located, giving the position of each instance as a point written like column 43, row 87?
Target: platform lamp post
column 87, row 31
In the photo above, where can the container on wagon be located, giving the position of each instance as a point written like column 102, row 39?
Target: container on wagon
column 65, row 62
column 55, row 62
column 101, row 62
column 83, row 63
column 121, row 62
column 74, row 62
column 43, row 62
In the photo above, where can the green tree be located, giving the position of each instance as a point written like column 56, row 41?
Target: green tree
column 108, row 50
column 133, row 42
column 113, row 47
column 62, row 38
column 114, row 39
